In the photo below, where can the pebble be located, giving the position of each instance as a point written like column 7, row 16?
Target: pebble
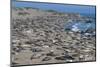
column 64, row 57
column 51, row 54
column 46, row 46
column 36, row 56
column 36, row 50
column 46, row 59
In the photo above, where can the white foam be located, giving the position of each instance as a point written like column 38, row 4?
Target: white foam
column 75, row 28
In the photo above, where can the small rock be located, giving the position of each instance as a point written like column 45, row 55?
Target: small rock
column 14, row 63
column 65, row 47
column 46, row 46
column 17, row 49
column 46, row 59
column 64, row 58
column 36, row 56
column 35, row 50
column 51, row 54
column 28, row 42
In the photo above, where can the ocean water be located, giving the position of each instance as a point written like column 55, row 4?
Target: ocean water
column 69, row 8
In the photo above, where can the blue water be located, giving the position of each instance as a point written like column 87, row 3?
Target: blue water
column 87, row 10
